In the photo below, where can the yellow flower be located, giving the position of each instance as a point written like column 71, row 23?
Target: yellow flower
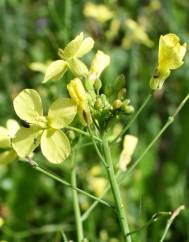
column 79, row 96
column 70, row 55
column 129, row 146
column 43, row 130
column 99, row 63
column 170, row 57
column 6, row 134
column 99, row 12
column 135, row 34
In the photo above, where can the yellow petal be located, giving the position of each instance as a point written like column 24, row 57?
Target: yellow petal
column 26, row 140
column 72, row 48
column 13, row 127
column 99, row 63
column 55, row 145
column 171, row 52
column 129, row 146
column 28, row 105
column 55, row 70
column 77, row 67
column 7, row 157
column 98, row 11
column 61, row 113
column 77, row 92
column 85, row 47
column 4, row 138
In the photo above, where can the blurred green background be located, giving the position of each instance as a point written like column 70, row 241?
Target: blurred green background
column 32, row 205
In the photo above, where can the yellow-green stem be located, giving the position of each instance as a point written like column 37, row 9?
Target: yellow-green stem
column 163, row 129
column 115, row 190
column 77, row 212
column 146, row 100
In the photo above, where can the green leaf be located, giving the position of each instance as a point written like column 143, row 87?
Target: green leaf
column 55, row 145
column 28, row 105
column 26, row 140
column 55, row 70
column 61, row 113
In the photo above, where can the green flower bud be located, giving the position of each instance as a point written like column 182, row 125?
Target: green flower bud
column 117, row 104
column 122, row 93
column 128, row 109
column 71, row 134
column 99, row 103
column 98, row 85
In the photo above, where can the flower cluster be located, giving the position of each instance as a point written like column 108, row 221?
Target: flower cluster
column 88, row 99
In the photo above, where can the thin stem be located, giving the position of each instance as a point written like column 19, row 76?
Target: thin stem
column 170, row 221
column 96, row 147
column 45, row 229
column 115, row 190
column 153, row 219
column 165, row 126
column 170, row 120
column 77, row 212
column 64, row 237
column 67, row 19
column 146, row 100
column 67, row 184
column 82, row 132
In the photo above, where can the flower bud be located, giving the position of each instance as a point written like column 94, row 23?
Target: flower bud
column 77, row 92
column 128, row 109
column 98, row 103
column 122, row 93
column 79, row 95
column 117, row 104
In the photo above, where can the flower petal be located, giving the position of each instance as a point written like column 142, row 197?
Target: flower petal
column 55, row 145
column 77, row 67
column 4, row 138
column 13, row 127
column 55, row 70
column 7, row 157
column 72, row 47
column 28, row 105
column 26, row 140
column 171, row 52
column 85, row 47
column 61, row 113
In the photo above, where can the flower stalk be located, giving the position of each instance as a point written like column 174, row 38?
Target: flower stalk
column 77, row 212
column 115, row 190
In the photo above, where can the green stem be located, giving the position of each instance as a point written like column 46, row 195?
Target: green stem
column 67, row 19
column 165, row 126
column 146, row 100
column 170, row 120
column 77, row 212
column 82, row 132
column 170, row 221
column 67, row 184
column 64, row 237
column 45, row 229
column 115, row 190
column 96, row 147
